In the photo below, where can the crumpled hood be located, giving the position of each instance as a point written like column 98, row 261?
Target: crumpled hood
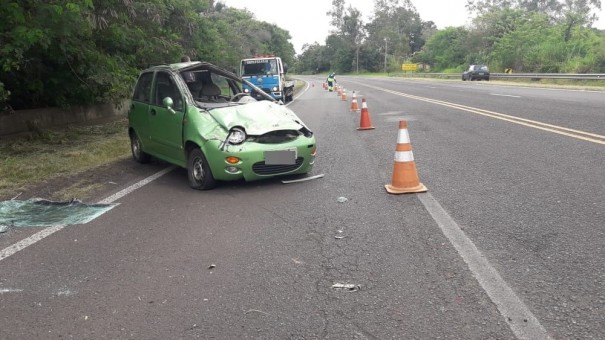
column 258, row 118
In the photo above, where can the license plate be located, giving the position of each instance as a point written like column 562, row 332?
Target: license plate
column 481, row 73
column 280, row 157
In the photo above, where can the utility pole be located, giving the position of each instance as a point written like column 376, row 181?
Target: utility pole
column 386, row 44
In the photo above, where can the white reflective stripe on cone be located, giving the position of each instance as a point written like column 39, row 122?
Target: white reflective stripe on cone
column 403, row 137
column 404, row 156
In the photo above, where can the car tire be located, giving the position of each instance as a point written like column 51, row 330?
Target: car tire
column 198, row 171
column 137, row 150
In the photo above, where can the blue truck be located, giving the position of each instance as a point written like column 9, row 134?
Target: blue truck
column 268, row 73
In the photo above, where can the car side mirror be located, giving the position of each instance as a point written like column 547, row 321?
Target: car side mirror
column 168, row 103
column 285, row 69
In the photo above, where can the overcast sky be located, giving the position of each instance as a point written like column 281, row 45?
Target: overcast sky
column 307, row 22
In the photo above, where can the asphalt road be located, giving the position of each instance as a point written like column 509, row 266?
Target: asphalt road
column 507, row 243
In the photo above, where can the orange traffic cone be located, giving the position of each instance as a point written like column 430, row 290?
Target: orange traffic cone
column 354, row 106
column 364, row 121
column 405, row 178
column 343, row 96
column 338, row 91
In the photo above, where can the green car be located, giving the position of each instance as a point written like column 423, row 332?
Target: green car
column 197, row 116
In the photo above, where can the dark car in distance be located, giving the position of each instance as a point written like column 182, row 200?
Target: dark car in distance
column 476, row 72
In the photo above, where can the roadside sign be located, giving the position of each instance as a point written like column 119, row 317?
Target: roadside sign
column 409, row 67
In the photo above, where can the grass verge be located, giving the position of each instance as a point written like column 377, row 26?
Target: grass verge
column 47, row 154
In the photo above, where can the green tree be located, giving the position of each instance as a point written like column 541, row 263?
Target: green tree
column 313, row 60
column 342, row 45
column 337, row 13
column 70, row 52
column 241, row 35
column 445, row 49
column 520, row 47
column 570, row 12
column 396, row 30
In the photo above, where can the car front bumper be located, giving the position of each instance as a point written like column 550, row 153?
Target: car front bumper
column 252, row 165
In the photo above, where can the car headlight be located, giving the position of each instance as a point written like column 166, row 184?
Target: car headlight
column 236, row 136
column 246, row 90
column 274, row 89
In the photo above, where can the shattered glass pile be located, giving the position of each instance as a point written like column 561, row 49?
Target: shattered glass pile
column 44, row 213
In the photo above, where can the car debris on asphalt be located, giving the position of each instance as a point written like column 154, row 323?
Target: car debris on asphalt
column 348, row 286
column 302, row 179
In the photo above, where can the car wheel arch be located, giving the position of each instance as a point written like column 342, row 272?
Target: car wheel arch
column 199, row 172
column 136, row 147
column 189, row 145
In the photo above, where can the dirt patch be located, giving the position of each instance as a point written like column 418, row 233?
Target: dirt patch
column 91, row 185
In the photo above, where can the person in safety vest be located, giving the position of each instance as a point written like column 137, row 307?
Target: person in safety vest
column 331, row 80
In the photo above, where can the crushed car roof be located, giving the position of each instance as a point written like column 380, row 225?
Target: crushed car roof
column 178, row 67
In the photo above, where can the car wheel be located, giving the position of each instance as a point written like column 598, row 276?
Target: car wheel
column 137, row 150
column 198, row 171
column 463, row 78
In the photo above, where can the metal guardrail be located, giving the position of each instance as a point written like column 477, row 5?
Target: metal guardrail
column 536, row 76
column 573, row 76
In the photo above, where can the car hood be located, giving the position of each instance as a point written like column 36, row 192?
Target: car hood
column 257, row 118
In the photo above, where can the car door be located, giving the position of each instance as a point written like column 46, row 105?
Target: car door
column 166, row 124
column 139, row 110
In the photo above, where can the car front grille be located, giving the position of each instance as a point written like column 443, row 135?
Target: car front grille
column 278, row 136
column 262, row 169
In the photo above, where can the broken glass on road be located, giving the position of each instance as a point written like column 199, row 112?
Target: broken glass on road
column 38, row 212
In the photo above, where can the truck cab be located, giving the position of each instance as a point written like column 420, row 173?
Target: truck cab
column 268, row 73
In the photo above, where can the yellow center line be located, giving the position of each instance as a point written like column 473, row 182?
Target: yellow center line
column 582, row 135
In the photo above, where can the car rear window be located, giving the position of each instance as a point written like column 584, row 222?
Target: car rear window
column 142, row 91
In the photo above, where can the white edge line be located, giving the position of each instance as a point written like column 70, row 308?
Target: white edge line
column 11, row 250
column 504, row 95
column 9, row 290
column 518, row 317
column 136, row 186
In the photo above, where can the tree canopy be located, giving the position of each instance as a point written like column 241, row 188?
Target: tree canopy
column 70, row 52
column 525, row 35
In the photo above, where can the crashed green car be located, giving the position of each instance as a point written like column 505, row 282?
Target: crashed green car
column 196, row 115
